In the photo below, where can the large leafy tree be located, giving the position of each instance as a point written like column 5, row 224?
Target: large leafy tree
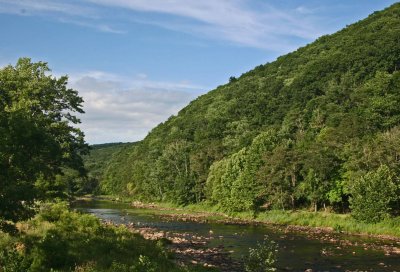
column 38, row 139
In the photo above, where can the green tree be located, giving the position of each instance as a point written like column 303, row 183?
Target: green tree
column 280, row 174
column 37, row 136
column 233, row 182
column 174, row 174
column 373, row 194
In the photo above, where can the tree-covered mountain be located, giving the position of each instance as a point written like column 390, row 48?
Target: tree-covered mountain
column 97, row 160
column 317, row 127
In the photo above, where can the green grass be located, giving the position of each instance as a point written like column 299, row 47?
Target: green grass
column 337, row 222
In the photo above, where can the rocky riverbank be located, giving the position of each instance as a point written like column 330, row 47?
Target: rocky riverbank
column 190, row 249
column 212, row 248
column 388, row 244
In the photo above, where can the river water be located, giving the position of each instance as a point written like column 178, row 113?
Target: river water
column 297, row 251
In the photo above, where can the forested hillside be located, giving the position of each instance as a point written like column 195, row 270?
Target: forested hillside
column 317, row 127
column 97, row 161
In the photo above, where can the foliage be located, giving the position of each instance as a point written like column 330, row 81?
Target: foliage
column 262, row 258
column 331, row 107
column 373, row 194
column 60, row 240
column 95, row 163
column 12, row 260
column 38, row 137
column 233, row 181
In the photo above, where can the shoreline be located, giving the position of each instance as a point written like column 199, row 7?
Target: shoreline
column 201, row 250
column 328, row 234
column 188, row 249
column 199, row 216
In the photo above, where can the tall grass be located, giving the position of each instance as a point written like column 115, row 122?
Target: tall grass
column 337, row 222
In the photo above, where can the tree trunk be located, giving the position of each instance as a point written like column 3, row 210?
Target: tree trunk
column 292, row 200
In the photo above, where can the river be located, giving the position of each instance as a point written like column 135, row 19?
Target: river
column 298, row 251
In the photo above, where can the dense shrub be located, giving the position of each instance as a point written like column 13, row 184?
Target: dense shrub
column 373, row 194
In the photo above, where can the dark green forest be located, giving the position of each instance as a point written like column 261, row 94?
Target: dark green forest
column 316, row 129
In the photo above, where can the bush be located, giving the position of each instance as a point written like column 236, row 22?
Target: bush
column 12, row 259
column 62, row 240
column 373, row 194
column 262, row 258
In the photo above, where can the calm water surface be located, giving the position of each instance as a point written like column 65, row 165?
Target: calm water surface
column 297, row 252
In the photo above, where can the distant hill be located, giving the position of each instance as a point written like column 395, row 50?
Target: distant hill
column 301, row 131
column 107, row 145
column 100, row 155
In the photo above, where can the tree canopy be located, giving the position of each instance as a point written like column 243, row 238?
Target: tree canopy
column 38, row 137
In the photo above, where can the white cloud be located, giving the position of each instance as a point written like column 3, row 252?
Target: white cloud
column 97, row 26
column 141, row 76
column 236, row 21
column 229, row 20
column 304, row 10
column 120, row 109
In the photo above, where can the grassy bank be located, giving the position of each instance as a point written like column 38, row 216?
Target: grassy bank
column 336, row 222
column 58, row 239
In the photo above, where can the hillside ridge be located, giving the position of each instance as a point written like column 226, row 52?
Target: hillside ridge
column 291, row 133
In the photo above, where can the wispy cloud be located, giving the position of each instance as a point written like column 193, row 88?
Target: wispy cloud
column 263, row 26
column 120, row 108
column 304, row 10
column 231, row 20
column 70, row 12
column 97, row 26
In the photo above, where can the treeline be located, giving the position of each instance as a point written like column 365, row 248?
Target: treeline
column 316, row 128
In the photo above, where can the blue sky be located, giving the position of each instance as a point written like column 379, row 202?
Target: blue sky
column 136, row 62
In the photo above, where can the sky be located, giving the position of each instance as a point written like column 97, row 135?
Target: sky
column 137, row 62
